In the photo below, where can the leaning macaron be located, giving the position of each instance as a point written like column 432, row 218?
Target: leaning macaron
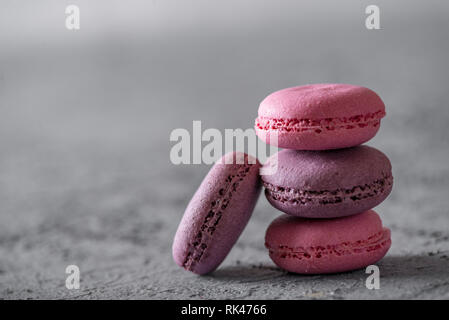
column 319, row 117
column 311, row 246
column 328, row 184
column 217, row 213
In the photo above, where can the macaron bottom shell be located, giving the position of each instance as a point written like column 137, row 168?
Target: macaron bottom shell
column 301, row 247
column 321, row 204
column 320, row 138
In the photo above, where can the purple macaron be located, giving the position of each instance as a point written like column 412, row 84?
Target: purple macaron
column 217, row 213
column 328, row 184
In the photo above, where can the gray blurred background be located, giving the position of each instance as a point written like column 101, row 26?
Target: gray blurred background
column 85, row 118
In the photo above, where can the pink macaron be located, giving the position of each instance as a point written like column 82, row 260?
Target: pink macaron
column 330, row 183
column 319, row 116
column 217, row 213
column 316, row 246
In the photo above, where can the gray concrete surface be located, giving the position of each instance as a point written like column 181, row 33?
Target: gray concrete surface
column 85, row 176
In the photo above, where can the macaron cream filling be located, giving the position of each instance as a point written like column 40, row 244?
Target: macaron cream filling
column 319, row 125
column 372, row 243
column 201, row 241
column 323, row 197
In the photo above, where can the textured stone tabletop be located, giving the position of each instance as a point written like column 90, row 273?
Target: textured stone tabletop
column 85, row 174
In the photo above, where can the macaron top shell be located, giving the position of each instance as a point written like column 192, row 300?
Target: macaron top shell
column 322, row 101
column 328, row 170
column 300, row 232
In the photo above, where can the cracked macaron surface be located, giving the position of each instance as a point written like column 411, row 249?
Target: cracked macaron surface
column 328, row 184
column 217, row 214
column 320, row 116
column 315, row 246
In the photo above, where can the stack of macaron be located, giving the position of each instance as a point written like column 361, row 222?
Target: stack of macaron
column 325, row 183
